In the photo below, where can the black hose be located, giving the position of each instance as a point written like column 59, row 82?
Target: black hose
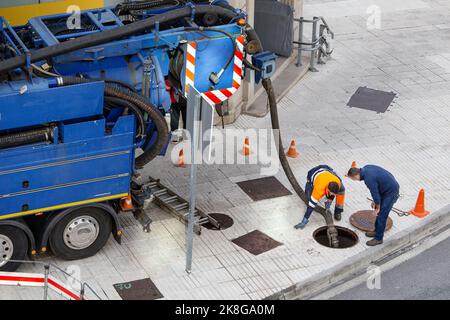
column 120, row 83
column 141, row 103
column 331, row 229
column 136, row 111
column 111, row 35
column 125, row 8
column 26, row 137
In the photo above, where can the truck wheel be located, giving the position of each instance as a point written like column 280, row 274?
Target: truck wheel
column 81, row 234
column 13, row 246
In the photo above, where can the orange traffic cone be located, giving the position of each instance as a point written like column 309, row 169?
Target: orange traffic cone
column 292, row 152
column 354, row 165
column 419, row 209
column 181, row 163
column 246, row 148
column 126, row 203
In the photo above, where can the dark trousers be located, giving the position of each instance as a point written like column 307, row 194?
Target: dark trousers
column 177, row 109
column 387, row 202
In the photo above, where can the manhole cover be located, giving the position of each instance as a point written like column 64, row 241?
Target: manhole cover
column 365, row 220
column 264, row 188
column 256, row 242
column 347, row 238
column 225, row 221
column 371, row 99
column 143, row 289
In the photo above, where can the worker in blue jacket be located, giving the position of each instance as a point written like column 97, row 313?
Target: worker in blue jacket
column 385, row 192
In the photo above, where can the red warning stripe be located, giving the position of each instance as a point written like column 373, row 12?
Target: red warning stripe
column 22, row 279
column 213, row 97
column 62, row 289
column 239, row 54
column 237, row 70
column 41, row 280
column 226, row 93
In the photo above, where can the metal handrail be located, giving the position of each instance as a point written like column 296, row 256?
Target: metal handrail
column 47, row 268
column 317, row 41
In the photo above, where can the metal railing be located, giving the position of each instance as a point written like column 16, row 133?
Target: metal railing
column 321, row 41
column 82, row 288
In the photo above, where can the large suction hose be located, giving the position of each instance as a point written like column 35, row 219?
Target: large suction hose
column 332, row 232
column 267, row 84
column 112, row 35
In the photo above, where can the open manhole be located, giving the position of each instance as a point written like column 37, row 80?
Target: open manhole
column 347, row 238
column 225, row 221
column 365, row 220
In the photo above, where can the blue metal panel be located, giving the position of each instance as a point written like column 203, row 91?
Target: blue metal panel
column 40, row 104
column 66, row 195
column 82, row 130
column 67, row 172
column 211, row 55
column 41, row 29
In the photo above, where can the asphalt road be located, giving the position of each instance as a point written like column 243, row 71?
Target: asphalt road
column 425, row 276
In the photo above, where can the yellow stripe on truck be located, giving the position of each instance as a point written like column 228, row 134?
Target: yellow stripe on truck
column 21, row 14
column 62, row 206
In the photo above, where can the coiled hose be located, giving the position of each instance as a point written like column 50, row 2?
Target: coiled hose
column 137, row 100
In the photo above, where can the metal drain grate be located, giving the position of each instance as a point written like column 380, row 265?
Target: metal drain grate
column 371, row 99
column 365, row 220
column 256, row 242
column 143, row 289
column 264, row 188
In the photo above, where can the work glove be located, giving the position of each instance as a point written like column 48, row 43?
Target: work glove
column 302, row 224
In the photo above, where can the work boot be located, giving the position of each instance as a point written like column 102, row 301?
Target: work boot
column 374, row 242
column 302, row 224
column 370, row 234
column 337, row 216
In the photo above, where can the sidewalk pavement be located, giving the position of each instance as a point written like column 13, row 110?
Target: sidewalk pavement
column 409, row 55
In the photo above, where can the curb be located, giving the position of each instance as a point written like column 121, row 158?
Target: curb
column 355, row 265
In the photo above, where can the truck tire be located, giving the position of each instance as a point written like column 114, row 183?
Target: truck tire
column 13, row 246
column 81, row 233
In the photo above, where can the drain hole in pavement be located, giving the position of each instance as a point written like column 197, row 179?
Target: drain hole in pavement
column 225, row 221
column 347, row 238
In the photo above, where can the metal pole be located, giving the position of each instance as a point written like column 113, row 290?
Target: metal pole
column 82, row 291
column 192, row 187
column 300, row 40
column 46, row 271
column 313, row 44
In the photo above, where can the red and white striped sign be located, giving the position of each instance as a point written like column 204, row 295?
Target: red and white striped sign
column 37, row 280
column 216, row 96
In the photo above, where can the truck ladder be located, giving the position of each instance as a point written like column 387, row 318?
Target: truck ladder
column 176, row 205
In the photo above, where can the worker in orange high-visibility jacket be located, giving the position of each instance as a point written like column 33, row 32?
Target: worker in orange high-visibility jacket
column 321, row 182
